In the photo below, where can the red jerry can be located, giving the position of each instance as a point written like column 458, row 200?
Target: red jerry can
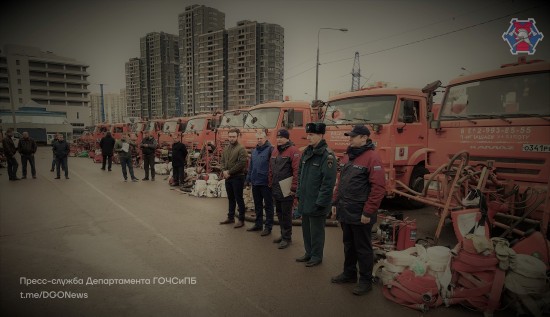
column 406, row 236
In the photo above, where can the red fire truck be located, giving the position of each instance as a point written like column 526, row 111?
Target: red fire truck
column 398, row 122
column 270, row 117
column 488, row 149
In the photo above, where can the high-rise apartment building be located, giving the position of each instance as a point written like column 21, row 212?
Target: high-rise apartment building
column 160, row 78
column 211, row 84
column 135, row 107
column 255, row 63
column 114, row 107
column 195, row 23
column 60, row 84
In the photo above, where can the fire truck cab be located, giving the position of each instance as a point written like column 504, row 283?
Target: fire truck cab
column 172, row 128
column 200, row 129
column 272, row 116
column 99, row 132
column 119, row 128
column 501, row 118
column 397, row 119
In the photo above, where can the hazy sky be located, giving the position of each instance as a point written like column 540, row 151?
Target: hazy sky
column 406, row 43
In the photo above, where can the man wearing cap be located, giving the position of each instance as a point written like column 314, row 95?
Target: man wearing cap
column 258, row 177
column 285, row 161
column 360, row 190
column 316, row 179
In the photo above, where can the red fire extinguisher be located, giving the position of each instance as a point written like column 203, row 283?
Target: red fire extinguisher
column 406, row 237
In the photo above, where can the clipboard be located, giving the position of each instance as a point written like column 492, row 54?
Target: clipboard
column 286, row 184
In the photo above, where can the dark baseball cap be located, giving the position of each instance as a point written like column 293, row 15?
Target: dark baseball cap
column 283, row 133
column 358, row 130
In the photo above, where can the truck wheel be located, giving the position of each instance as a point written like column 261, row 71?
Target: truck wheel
column 417, row 184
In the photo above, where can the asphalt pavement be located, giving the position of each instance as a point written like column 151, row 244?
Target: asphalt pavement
column 94, row 245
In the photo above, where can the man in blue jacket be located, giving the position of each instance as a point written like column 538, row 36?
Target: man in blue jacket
column 258, row 176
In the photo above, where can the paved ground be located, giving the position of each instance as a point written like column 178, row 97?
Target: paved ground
column 94, row 227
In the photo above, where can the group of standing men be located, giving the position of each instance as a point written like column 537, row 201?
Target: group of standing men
column 125, row 147
column 27, row 149
column 280, row 175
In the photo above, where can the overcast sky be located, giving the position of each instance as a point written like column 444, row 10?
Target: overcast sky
column 406, row 43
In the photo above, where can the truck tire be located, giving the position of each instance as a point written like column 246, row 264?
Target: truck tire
column 417, row 184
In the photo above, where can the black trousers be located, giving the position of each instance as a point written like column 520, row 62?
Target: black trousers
column 107, row 158
column 358, row 251
column 12, row 167
column 149, row 162
column 284, row 214
column 234, row 187
column 178, row 174
column 24, row 160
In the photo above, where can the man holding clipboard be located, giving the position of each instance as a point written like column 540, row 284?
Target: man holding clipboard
column 283, row 177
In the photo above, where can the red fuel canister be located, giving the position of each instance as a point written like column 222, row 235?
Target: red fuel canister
column 406, row 236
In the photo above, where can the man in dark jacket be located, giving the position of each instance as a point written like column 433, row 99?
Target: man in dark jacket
column 233, row 162
column 61, row 151
column 9, row 152
column 107, row 145
column 360, row 190
column 148, row 148
column 27, row 148
column 285, row 161
column 54, row 141
column 316, row 179
column 258, row 177
column 179, row 156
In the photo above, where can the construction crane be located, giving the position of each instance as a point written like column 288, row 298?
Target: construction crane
column 356, row 74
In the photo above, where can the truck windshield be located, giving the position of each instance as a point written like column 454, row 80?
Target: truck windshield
column 195, row 125
column 522, row 95
column 138, row 127
column 371, row 109
column 170, row 126
column 232, row 120
column 150, row 126
column 265, row 118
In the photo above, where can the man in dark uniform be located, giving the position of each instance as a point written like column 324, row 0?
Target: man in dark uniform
column 107, row 144
column 27, row 148
column 9, row 152
column 316, row 179
column 61, row 151
column 179, row 156
column 148, row 148
column 285, row 161
column 360, row 190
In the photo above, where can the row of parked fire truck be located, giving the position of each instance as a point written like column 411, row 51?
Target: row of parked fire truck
column 490, row 133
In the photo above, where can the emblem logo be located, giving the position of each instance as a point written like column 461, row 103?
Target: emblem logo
column 522, row 36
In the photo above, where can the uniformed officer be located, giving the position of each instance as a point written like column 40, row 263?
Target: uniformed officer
column 360, row 190
column 316, row 178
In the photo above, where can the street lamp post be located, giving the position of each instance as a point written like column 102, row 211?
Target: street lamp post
column 317, row 64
